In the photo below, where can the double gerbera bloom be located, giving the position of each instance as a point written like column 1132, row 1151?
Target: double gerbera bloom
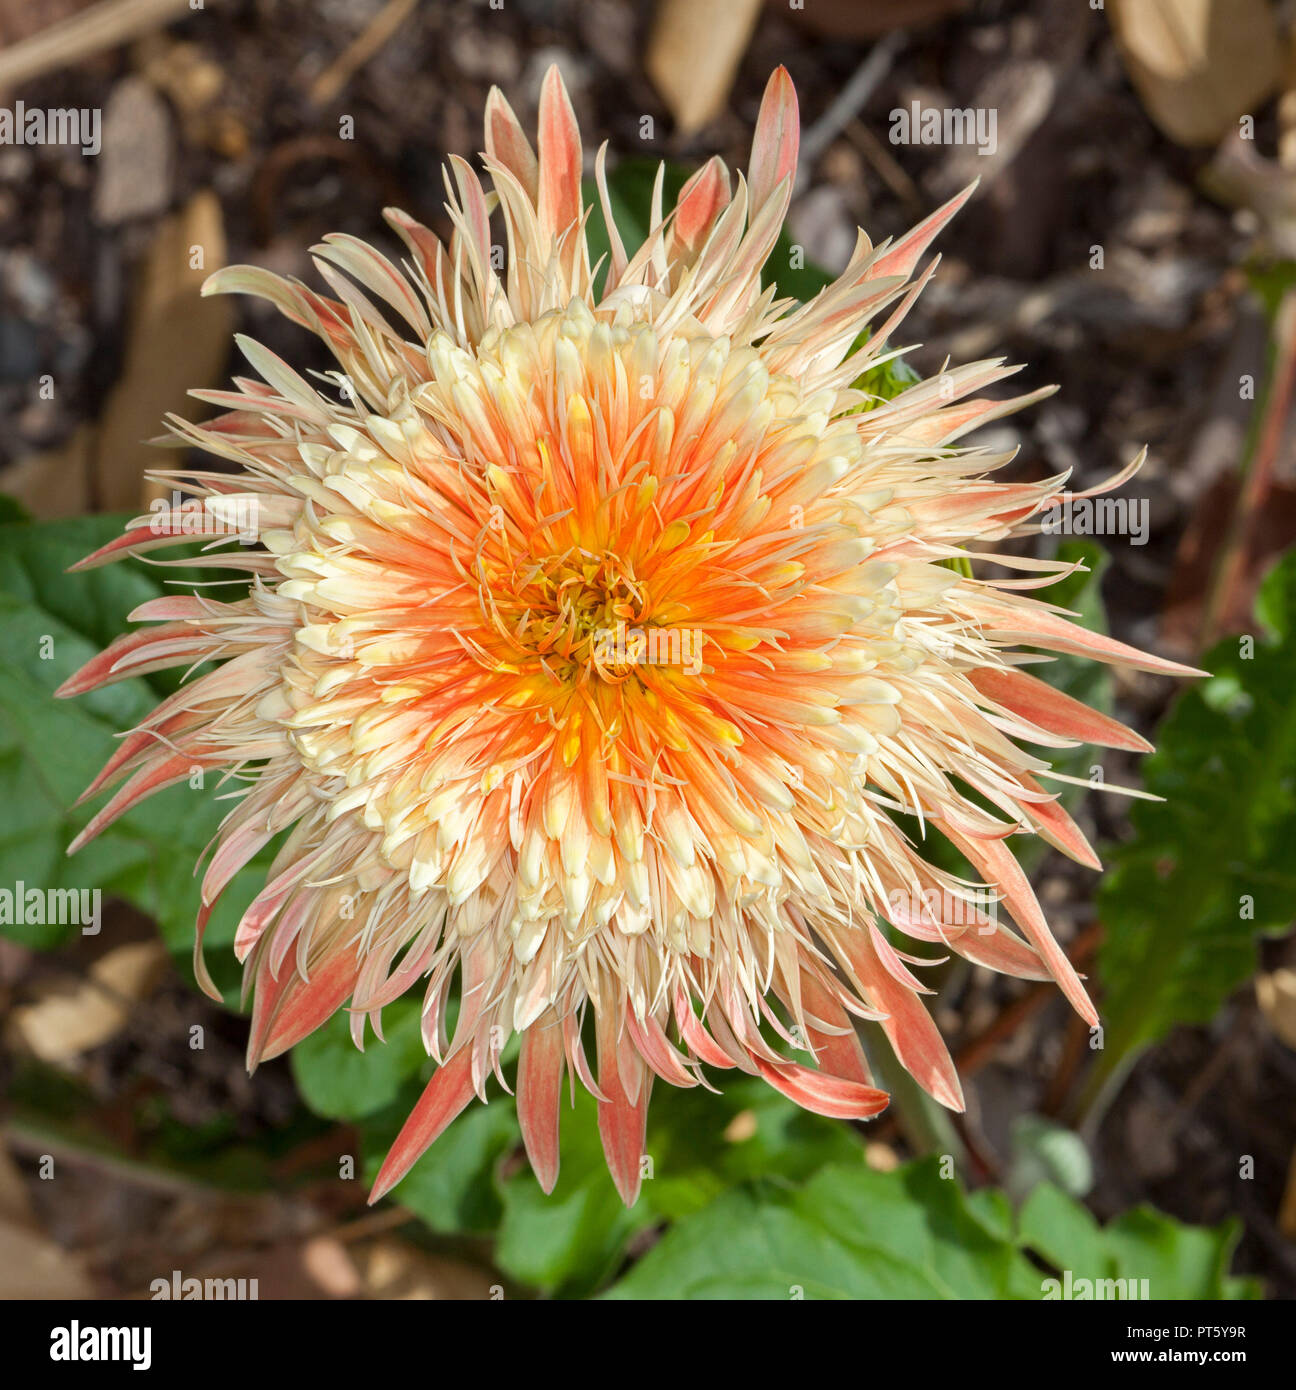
column 598, row 631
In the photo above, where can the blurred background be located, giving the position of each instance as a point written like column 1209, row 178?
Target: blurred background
column 1132, row 239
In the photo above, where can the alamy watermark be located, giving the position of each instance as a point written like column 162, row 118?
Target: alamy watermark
column 1068, row 515
column 1095, row 1290
column 973, row 907
column 179, row 1288
column 916, row 124
column 72, row 1342
column 21, row 906
column 62, row 125
column 649, row 646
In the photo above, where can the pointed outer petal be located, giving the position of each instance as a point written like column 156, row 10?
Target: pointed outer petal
column 701, row 201
column 980, row 939
column 266, row 991
column 650, row 1038
column 994, row 946
column 694, row 1034
column 476, row 216
column 98, row 671
column 901, row 258
column 577, row 1061
column 617, row 259
column 144, row 783
column 449, row 1091
column 136, row 742
column 1040, row 704
column 726, row 1039
column 857, row 362
column 172, row 608
column 302, row 1005
column 414, row 964
column 539, row 1091
column 423, row 244
column 776, row 141
column 1054, row 824
column 323, row 316
column 623, row 1123
column 954, row 421
column 1116, row 480
column 291, row 385
column 1037, row 627
column 263, row 909
column 975, row 502
column 889, row 959
column 236, row 847
column 913, row 1036
column 997, row 864
column 841, row 1054
column 741, row 284
column 657, row 223
column 476, row 970
column 201, row 973
column 130, row 542
column 558, row 201
column 506, row 143
column 376, row 273
column 835, row 1096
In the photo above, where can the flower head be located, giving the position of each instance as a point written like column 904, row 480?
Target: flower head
column 596, row 636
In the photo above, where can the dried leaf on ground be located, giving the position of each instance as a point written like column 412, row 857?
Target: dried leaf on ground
column 1199, row 64
column 392, row 1268
column 1276, row 994
column 178, row 342
column 693, row 55
column 33, row 1266
column 65, row 1022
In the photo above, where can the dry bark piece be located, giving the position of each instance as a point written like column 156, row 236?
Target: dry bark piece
column 1198, row 65
column 1276, row 994
column 693, row 55
column 33, row 1266
column 64, row 1023
column 55, row 482
column 178, row 341
column 134, row 167
column 84, row 34
column 394, row 1269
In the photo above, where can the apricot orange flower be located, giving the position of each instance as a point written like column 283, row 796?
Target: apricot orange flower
column 596, row 637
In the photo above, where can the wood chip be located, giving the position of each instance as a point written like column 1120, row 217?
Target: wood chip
column 178, row 342
column 65, row 1022
column 1199, row 65
column 1276, row 994
column 693, row 55
column 60, row 45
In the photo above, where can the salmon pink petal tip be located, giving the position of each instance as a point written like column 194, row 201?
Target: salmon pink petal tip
column 591, row 643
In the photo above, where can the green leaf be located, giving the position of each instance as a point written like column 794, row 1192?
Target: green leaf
column 453, row 1187
column 338, row 1080
column 1211, row 866
column 1047, row 1152
column 570, row 1240
column 884, row 380
column 851, row 1233
column 1177, row 1261
column 699, row 1145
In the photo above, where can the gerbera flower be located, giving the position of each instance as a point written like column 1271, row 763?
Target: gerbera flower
column 597, row 634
